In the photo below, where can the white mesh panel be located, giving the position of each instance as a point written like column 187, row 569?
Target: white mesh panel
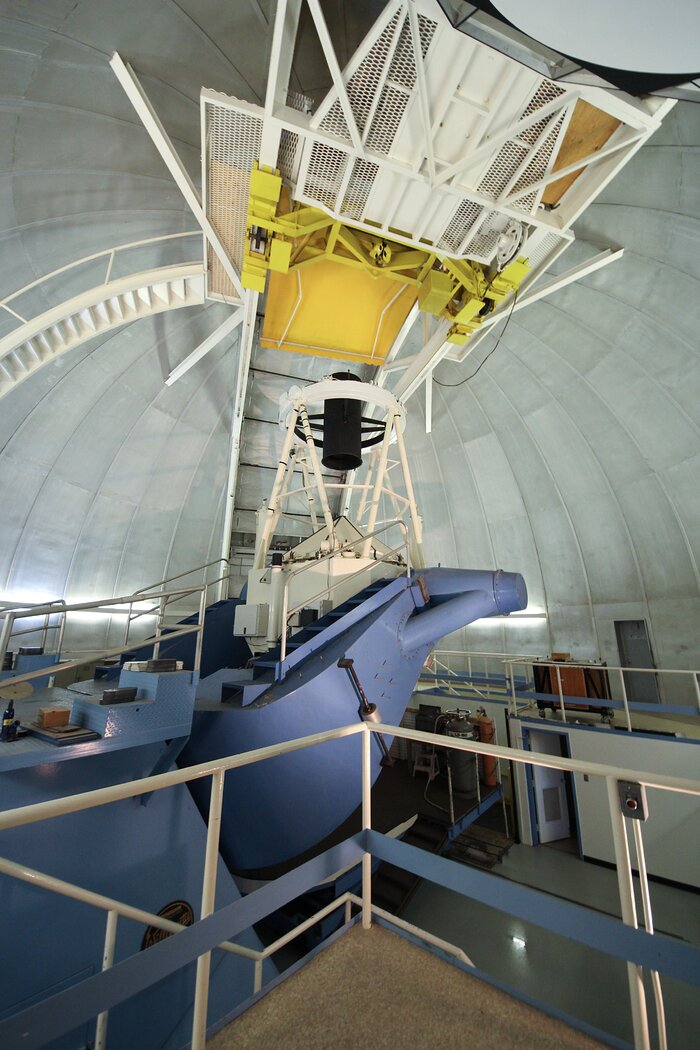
column 459, row 225
column 482, row 247
column 288, row 156
column 538, row 167
column 543, row 249
column 513, row 152
column 233, row 143
column 324, row 174
column 364, row 173
column 367, row 78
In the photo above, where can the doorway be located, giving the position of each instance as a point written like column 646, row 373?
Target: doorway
column 552, row 794
column 635, row 651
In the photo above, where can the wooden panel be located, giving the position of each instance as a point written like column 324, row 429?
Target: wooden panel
column 589, row 129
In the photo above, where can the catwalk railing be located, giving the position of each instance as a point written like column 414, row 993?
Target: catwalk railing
column 389, row 557
column 98, row 264
column 46, row 623
column 93, row 997
column 514, row 676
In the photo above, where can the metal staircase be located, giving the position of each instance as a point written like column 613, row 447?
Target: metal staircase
column 246, row 685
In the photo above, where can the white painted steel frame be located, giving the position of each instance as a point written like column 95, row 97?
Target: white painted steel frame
column 245, row 351
column 438, row 348
column 151, row 122
column 224, row 329
column 25, row 815
column 342, row 580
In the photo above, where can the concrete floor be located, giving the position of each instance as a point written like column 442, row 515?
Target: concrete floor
column 580, row 981
column 374, row 988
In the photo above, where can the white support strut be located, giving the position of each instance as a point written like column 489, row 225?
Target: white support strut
column 149, row 118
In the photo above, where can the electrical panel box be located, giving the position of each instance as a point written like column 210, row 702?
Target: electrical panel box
column 633, row 799
column 251, row 620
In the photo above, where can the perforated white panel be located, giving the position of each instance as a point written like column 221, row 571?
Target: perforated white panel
column 232, row 144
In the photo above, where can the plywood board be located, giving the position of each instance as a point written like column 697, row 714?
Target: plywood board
column 589, row 129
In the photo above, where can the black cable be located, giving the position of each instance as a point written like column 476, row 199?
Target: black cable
column 476, row 371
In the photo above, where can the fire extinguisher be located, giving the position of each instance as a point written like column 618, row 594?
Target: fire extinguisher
column 487, row 732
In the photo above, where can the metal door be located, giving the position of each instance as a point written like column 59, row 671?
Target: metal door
column 635, row 651
column 550, row 790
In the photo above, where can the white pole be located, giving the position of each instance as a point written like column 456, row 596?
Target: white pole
column 318, row 474
column 624, row 701
column 257, row 976
column 366, row 825
column 107, row 960
column 368, row 487
column 416, row 522
column 629, row 913
column 272, row 518
column 649, row 924
column 378, row 482
column 201, row 992
column 561, row 694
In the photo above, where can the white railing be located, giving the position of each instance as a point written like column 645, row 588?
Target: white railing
column 216, row 770
column 108, row 606
column 513, row 662
column 53, row 614
column 404, row 547
column 460, row 662
column 108, row 255
column 454, row 666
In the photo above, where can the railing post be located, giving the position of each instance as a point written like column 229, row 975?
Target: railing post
column 110, row 264
column 159, row 627
column 257, row 976
column 285, row 614
column 199, row 640
column 629, row 913
column 201, row 991
column 624, row 701
column 366, row 825
column 6, row 634
column 561, row 694
column 127, row 625
column 107, row 960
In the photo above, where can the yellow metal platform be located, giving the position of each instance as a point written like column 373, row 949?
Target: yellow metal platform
column 335, row 311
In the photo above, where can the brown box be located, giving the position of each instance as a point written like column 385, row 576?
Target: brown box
column 53, row 716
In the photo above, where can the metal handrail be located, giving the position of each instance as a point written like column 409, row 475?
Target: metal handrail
column 180, row 575
column 511, row 662
column 107, row 252
column 287, row 612
column 106, row 606
column 37, row 812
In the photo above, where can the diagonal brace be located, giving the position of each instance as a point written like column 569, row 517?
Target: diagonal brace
column 150, row 120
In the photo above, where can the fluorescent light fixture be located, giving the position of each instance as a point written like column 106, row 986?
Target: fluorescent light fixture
column 519, row 943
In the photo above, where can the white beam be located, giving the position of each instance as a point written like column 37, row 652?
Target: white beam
column 422, row 88
column 279, row 72
column 424, row 362
column 494, row 141
column 229, row 325
column 397, row 345
column 149, row 118
column 429, row 403
column 336, row 75
column 437, row 347
column 554, row 176
column 245, row 349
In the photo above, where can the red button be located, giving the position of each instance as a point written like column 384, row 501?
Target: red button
column 631, row 803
